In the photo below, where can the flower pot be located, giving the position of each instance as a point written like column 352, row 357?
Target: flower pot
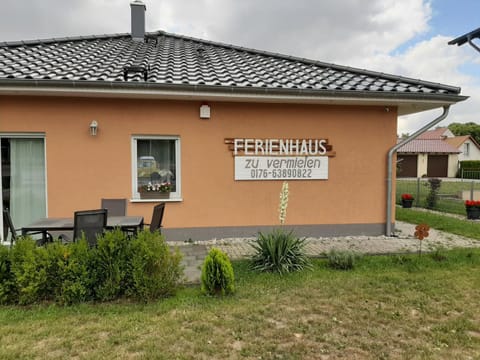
column 473, row 213
column 407, row 203
column 154, row 195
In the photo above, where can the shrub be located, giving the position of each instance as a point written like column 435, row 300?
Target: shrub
column 76, row 284
column 28, row 265
column 341, row 260
column 432, row 197
column 279, row 251
column 110, row 265
column 8, row 288
column 156, row 271
column 217, row 274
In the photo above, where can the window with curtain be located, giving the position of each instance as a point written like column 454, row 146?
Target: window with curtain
column 156, row 167
column 23, row 179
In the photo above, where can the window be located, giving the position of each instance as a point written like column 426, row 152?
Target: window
column 156, row 163
column 23, row 178
column 466, row 149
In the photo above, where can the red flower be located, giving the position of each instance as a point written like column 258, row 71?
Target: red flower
column 407, row 197
column 472, row 203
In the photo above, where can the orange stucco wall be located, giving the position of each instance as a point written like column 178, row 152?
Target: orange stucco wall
column 82, row 169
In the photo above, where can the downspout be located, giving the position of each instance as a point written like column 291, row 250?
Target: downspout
column 388, row 231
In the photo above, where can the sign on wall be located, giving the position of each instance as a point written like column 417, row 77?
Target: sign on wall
column 280, row 159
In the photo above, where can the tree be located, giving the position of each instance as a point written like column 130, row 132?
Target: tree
column 469, row 128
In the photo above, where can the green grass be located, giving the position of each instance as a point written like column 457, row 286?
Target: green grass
column 445, row 223
column 389, row 307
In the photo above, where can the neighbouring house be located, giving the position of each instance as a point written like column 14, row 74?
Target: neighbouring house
column 105, row 116
column 435, row 153
column 470, row 149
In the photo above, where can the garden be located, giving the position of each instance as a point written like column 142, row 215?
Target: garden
column 124, row 298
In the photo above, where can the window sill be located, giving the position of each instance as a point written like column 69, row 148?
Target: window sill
column 155, row 200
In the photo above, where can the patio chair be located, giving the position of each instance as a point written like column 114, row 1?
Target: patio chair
column 90, row 223
column 157, row 217
column 115, row 207
column 8, row 227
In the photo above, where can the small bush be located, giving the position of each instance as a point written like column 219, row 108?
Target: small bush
column 432, row 197
column 8, row 288
column 279, row 251
column 28, row 265
column 217, row 274
column 341, row 260
column 110, row 265
column 156, row 271
column 77, row 281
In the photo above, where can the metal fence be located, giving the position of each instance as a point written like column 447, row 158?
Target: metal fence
column 451, row 195
column 469, row 174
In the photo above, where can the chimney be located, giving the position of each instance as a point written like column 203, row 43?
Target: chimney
column 138, row 20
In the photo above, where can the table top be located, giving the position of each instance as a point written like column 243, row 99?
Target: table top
column 52, row 224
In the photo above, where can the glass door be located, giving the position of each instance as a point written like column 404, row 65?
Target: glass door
column 23, row 179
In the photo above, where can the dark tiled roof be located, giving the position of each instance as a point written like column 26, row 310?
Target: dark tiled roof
column 177, row 60
column 430, row 146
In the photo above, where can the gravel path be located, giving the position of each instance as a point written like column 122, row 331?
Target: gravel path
column 404, row 242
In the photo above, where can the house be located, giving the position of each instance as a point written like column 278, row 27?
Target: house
column 470, row 149
column 92, row 117
column 436, row 153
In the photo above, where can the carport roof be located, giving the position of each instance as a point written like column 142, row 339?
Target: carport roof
column 430, row 146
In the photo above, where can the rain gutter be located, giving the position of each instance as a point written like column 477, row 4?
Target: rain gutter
column 388, row 231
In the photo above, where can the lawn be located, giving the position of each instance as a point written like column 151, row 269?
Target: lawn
column 467, row 228
column 389, row 307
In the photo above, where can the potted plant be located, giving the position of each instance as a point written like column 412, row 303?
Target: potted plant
column 407, row 200
column 156, row 190
column 473, row 209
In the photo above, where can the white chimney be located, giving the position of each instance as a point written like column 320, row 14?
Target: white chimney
column 138, row 20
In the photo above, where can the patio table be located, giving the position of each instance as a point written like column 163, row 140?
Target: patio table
column 46, row 225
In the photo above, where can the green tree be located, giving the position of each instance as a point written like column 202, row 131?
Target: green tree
column 469, row 128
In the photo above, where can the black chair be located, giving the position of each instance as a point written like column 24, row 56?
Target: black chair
column 90, row 223
column 157, row 217
column 115, row 207
column 8, row 227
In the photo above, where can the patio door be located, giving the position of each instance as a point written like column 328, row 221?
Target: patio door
column 23, row 179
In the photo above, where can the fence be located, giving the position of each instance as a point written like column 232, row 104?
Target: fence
column 451, row 195
column 469, row 173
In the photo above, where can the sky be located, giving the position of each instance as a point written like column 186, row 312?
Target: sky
column 401, row 37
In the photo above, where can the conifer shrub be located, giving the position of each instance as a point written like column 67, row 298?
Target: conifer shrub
column 279, row 251
column 8, row 288
column 156, row 270
column 217, row 274
column 76, row 286
column 110, row 265
column 29, row 268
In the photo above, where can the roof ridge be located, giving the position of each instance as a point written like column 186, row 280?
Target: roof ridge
column 61, row 39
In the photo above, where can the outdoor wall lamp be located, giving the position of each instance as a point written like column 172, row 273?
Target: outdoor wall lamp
column 93, row 128
column 204, row 111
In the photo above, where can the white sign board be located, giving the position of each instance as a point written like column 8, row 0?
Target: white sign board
column 281, row 168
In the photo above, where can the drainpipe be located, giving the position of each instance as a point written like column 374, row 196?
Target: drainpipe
column 389, row 231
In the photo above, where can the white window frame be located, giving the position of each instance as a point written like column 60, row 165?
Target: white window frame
column 17, row 135
column 174, row 196
column 466, row 149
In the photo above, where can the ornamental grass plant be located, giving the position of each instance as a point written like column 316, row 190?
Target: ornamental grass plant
column 279, row 251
